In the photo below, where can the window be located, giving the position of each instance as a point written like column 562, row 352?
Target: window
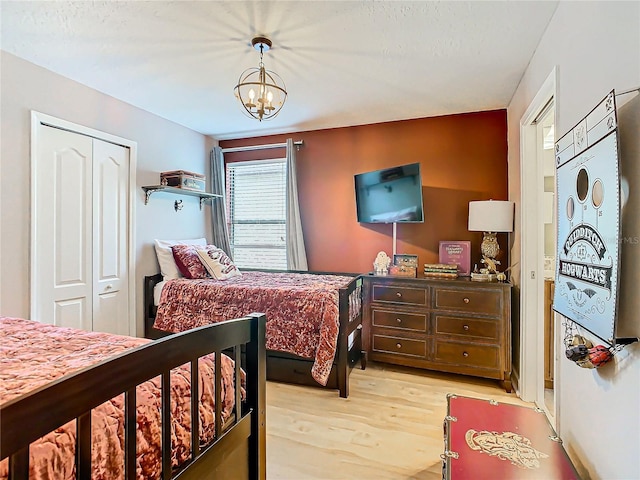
column 256, row 196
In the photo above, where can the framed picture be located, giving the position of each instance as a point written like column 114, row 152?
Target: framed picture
column 458, row 252
column 589, row 231
column 405, row 260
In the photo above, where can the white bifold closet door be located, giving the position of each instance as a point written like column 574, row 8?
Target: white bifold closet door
column 81, row 232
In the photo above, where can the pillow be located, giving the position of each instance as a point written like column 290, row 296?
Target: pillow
column 188, row 261
column 217, row 263
column 168, row 266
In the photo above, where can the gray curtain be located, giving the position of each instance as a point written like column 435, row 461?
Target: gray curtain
column 218, row 206
column 296, row 253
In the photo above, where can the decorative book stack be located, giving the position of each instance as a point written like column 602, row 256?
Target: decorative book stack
column 441, row 270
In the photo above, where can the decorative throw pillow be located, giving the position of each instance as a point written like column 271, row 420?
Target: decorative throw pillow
column 168, row 266
column 217, row 262
column 188, row 261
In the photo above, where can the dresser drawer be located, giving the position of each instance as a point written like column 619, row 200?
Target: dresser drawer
column 483, row 302
column 405, row 321
column 400, row 346
column 405, row 295
column 481, row 356
column 466, row 327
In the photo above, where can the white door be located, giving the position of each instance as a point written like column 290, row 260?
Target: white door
column 532, row 215
column 110, row 231
column 545, row 141
column 62, row 186
column 80, row 229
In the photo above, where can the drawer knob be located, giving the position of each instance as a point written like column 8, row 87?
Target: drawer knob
column 398, row 320
column 465, row 300
column 465, row 327
column 465, row 354
column 398, row 294
column 398, row 345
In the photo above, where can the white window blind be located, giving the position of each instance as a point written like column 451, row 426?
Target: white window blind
column 257, row 213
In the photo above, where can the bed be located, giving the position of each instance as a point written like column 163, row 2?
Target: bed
column 314, row 320
column 77, row 404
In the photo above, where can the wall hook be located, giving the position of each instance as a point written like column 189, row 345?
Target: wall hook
column 178, row 205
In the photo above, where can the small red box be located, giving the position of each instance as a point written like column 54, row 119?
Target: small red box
column 403, row 271
column 485, row 439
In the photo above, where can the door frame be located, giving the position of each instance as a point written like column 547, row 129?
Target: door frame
column 532, row 251
column 38, row 120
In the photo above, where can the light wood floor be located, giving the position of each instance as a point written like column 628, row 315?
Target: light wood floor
column 390, row 427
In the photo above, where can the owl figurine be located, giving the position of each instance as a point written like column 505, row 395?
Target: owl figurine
column 489, row 246
column 381, row 263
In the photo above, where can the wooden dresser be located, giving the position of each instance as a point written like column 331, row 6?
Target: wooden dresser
column 449, row 325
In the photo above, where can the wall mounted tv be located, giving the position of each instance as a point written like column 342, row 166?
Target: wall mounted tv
column 391, row 195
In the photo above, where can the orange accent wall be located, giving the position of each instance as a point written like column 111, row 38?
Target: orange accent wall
column 463, row 157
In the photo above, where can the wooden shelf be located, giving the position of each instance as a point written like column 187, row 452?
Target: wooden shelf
column 204, row 196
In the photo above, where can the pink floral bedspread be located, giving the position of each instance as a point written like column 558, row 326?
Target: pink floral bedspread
column 301, row 309
column 33, row 354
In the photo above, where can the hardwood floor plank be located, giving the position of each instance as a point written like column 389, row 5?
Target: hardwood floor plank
column 390, row 427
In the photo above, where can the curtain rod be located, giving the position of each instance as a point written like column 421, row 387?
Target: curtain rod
column 297, row 143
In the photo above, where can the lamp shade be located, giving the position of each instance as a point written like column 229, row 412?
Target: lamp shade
column 491, row 216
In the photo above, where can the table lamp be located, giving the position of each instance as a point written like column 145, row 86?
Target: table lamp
column 490, row 217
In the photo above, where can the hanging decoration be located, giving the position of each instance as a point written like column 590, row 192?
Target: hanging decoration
column 588, row 255
column 588, row 191
column 261, row 92
column 581, row 350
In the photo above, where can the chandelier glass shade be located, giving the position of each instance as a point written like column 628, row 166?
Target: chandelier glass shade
column 261, row 92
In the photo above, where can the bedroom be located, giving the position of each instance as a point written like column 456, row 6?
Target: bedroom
column 588, row 67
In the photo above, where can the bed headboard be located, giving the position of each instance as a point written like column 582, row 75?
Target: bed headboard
column 149, row 308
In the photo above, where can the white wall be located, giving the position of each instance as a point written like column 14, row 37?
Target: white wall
column 596, row 48
column 162, row 146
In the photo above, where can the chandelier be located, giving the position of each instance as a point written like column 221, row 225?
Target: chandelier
column 261, row 92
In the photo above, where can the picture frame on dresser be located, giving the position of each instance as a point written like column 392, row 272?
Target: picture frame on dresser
column 458, row 252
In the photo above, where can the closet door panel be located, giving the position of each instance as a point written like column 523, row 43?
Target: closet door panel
column 110, row 234
column 62, row 179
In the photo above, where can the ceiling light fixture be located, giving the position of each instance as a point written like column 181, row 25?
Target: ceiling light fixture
column 261, row 92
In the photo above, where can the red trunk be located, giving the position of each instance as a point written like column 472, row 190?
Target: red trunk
column 485, row 439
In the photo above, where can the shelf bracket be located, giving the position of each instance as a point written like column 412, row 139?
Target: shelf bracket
column 147, row 194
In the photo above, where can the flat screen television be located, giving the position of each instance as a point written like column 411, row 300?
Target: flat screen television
column 391, row 195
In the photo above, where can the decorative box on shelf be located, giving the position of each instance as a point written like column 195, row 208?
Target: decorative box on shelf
column 183, row 179
column 405, row 259
column 403, row 271
column 404, row 265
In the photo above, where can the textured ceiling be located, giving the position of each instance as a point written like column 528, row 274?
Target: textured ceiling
column 344, row 63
